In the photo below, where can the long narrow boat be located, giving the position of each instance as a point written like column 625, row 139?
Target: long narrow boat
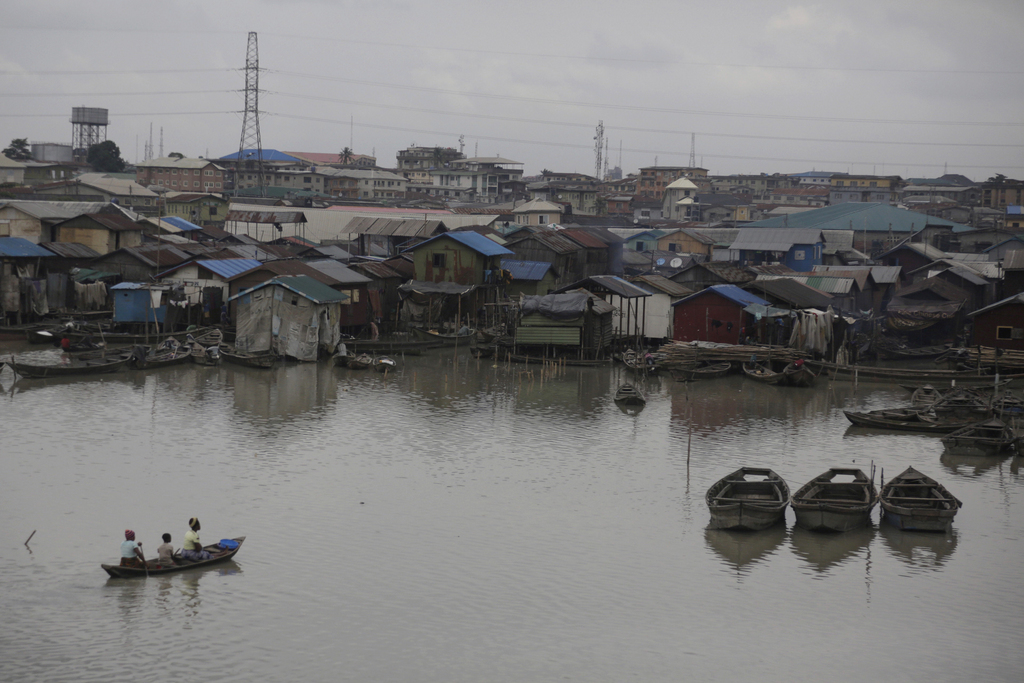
column 360, row 362
column 916, row 353
column 384, row 364
column 89, row 366
column 989, row 437
column 161, row 358
column 154, row 569
column 798, row 374
column 444, row 339
column 709, row 371
column 915, row 502
column 112, row 338
column 762, row 373
column 823, row 504
column 409, row 347
column 750, row 499
column 904, row 420
column 872, row 373
column 263, row 359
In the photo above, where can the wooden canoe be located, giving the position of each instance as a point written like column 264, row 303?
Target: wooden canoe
column 162, row 359
column 180, row 565
column 823, row 504
column 709, row 371
column 88, row 366
column 904, row 420
column 762, row 373
column 749, row 499
column 629, row 395
column 798, row 374
column 444, row 339
column 990, row 437
column 410, row 347
column 360, row 362
column 915, row 502
column 384, row 364
column 263, row 360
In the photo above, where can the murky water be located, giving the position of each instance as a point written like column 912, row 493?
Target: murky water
column 461, row 521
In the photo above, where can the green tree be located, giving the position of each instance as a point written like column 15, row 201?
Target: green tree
column 346, row 155
column 997, row 179
column 176, row 155
column 18, row 150
column 105, row 156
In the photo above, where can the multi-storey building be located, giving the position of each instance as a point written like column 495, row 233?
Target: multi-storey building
column 654, row 179
column 478, row 179
column 1001, row 193
column 845, row 187
column 181, row 174
column 416, row 163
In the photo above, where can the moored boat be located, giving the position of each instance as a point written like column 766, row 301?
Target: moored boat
column 261, row 359
column 160, row 357
column 904, row 420
column 798, row 374
column 824, row 504
column 991, row 436
column 761, row 372
column 444, row 339
column 750, row 499
column 629, row 395
column 359, row 362
column 706, row 371
column 79, row 366
column 384, row 364
column 915, row 502
column 153, row 568
column 393, row 346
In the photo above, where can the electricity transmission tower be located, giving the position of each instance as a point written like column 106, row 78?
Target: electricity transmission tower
column 598, row 149
column 693, row 150
column 250, row 146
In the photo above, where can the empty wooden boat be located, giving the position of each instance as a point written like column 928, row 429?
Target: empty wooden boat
column 444, row 339
column 992, row 436
column 260, row 359
column 705, row 371
column 915, row 502
column 78, row 366
column 161, row 357
column 749, row 499
column 629, row 395
column 152, row 568
column 905, row 420
column 361, row 361
column 824, row 504
column 384, row 364
column 798, row 374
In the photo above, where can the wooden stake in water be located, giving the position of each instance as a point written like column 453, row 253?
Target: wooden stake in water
column 30, row 537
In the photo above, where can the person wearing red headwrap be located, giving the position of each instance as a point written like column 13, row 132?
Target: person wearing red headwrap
column 131, row 551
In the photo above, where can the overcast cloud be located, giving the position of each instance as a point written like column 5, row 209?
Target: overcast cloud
column 765, row 86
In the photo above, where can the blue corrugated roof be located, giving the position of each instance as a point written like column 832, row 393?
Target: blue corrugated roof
column 526, row 270
column 229, row 267
column 858, row 216
column 268, row 155
column 19, row 246
column 180, row 223
column 730, row 292
column 473, row 240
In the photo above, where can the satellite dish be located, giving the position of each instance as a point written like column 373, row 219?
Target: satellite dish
column 660, row 262
column 676, row 263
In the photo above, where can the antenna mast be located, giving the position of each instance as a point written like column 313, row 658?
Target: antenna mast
column 250, row 139
column 598, row 148
column 605, row 174
column 693, row 150
column 161, row 142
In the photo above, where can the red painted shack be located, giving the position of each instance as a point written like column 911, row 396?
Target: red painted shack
column 1000, row 325
column 714, row 314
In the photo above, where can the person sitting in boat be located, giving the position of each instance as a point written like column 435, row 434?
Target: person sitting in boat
column 65, row 344
column 192, row 548
column 166, row 552
column 131, row 551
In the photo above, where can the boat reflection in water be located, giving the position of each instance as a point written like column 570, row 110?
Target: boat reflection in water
column 825, row 551
column 921, row 551
column 971, row 465
column 740, row 550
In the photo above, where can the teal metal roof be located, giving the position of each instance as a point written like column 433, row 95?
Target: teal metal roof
column 474, row 241
column 858, row 216
column 303, row 285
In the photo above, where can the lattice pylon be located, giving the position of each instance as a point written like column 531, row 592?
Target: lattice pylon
column 250, row 145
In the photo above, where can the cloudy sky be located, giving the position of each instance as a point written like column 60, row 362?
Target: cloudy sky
column 907, row 88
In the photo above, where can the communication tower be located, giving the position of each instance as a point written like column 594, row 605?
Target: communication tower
column 250, row 145
column 693, row 150
column 88, row 127
column 598, row 148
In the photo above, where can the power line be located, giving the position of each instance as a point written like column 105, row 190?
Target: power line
column 659, row 110
column 117, row 94
column 571, row 145
column 111, row 72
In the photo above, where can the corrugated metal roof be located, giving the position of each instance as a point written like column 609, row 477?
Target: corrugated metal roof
column 1015, row 299
column 774, row 239
column 19, row 247
column 266, row 154
column 394, row 227
column 474, row 241
column 265, row 216
column 553, row 241
column 794, row 292
column 730, row 292
column 338, row 271
column 140, row 285
column 229, row 267
column 612, row 283
column 288, row 268
column 1014, row 260
column 585, row 238
column 70, row 249
column 181, row 223
column 378, row 270
column 662, row 284
column 858, row 216
column 303, row 285
column 829, row 285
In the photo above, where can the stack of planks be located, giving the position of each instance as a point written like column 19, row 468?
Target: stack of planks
column 1009, row 359
column 685, row 355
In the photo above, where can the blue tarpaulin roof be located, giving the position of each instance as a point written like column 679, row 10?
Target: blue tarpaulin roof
column 730, row 292
column 229, row 267
column 268, row 155
column 473, row 240
column 527, row 270
column 180, row 223
column 21, row 247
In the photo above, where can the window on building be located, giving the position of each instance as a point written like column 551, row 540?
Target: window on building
column 210, row 173
column 174, row 183
column 438, row 260
column 1004, row 332
column 196, row 183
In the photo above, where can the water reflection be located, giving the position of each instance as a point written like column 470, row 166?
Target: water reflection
column 919, row 550
column 971, row 465
column 741, row 549
column 822, row 551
